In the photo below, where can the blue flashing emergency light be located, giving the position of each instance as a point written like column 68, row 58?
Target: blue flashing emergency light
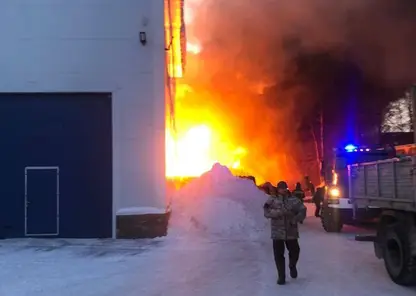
column 350, row 148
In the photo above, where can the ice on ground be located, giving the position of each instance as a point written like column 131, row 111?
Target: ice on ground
column 221, row 204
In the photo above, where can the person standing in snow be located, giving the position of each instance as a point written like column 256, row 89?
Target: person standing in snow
column 299, row 193
column 285, row 212
column 309, row 185
column 317, row 199
column 267, row 188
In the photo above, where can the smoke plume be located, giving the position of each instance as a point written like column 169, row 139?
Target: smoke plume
column 267, row 68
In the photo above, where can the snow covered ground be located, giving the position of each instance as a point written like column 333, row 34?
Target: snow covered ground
column 218, row 245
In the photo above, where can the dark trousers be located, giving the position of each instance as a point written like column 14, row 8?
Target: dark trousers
column 279, row 254
column 317, row 209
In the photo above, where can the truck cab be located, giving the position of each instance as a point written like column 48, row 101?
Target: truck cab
column 337, row 208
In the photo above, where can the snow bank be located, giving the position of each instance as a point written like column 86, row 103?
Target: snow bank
column 219, row 203
column 139, row 211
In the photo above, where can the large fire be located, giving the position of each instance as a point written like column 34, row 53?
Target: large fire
column 218, row 107
column 195, row 151
column 189, row 156
column 200, row 138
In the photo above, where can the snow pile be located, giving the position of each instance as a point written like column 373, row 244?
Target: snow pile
column 221, row 204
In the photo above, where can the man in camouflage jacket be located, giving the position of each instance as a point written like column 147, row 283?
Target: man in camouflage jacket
column 285, row 212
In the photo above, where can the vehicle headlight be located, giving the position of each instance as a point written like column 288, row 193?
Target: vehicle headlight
column 334, row 192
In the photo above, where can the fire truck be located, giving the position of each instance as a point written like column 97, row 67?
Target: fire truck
column 378, row 183
column 337, row 208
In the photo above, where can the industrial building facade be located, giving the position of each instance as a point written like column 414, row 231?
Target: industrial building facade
column 82, row 118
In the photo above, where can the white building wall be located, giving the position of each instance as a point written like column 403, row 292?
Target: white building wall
column 93, row 46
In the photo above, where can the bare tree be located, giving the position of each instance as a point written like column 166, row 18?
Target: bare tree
column 398, row 116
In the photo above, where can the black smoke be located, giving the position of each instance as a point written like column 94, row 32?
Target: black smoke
column 272, row 67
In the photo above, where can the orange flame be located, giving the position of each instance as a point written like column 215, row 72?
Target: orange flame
column 200, row 139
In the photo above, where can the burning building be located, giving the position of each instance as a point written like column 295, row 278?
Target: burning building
column 283, row 83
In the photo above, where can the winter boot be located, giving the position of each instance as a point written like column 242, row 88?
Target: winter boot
column 281, row 281
column 293, row 272
column 281, row 271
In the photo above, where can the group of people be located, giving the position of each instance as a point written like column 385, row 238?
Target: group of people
column 317, row 194
column 286, row 210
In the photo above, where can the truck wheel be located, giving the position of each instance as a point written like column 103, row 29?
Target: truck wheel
column 331, row 222
column 400, row 266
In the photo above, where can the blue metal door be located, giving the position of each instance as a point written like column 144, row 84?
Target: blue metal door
column 72, row 131
column 42, row 201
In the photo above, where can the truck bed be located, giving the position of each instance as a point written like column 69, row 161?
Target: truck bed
column 388, row 184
